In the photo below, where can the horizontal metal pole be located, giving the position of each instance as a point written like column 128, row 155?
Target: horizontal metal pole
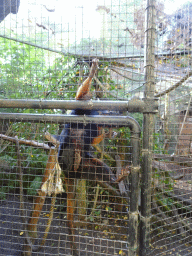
column 51, row 118
column 63, row 104
column 134, row 105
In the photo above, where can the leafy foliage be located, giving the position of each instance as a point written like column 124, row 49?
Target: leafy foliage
column 21, row 66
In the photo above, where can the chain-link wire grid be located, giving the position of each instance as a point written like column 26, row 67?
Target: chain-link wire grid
column 46, row 53
column 171, row 175
column 100, row 211
column 48, row 49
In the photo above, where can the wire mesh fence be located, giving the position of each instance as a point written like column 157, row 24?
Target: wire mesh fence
column 77, row 81
column 100, row 212
column 171, row 182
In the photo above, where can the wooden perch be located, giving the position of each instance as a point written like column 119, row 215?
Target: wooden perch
column 26, row 142
column 50, row 138
column 180, row 160
column 94, row 67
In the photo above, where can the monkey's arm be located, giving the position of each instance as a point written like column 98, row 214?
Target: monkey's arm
column 84, row 89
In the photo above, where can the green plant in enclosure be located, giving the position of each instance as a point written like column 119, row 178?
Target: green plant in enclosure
column 19, row 65
column 9, row 183
column 61, row 79
column 34, row 186
column 158, row 143
column 33, row 164
column 20, row 78
column 33, row 160
column 8, row 178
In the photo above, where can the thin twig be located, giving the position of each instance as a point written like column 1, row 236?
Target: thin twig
column 95, row 199
column 107, row 156
column 5, row 147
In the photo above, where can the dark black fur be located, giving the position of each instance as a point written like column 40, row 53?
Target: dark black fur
column 90, row 167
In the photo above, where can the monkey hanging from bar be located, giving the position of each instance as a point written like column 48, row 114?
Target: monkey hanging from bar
column 76, row 161
column 74, row 154
column 76, row 140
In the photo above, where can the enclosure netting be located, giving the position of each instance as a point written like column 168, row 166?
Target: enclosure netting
column 171, row 177
column 47, row 49
column 46, row 53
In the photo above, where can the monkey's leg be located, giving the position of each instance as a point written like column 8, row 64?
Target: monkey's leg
column 39, row 202
column 98, row 139
column 70, row 185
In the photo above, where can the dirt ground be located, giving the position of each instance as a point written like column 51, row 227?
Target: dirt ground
column 176, row 245
column 170, row 242
column 107, row 239
column 89, row 241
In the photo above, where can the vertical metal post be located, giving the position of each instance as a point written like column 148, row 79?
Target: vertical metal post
column 148, row 124
column 134, row 194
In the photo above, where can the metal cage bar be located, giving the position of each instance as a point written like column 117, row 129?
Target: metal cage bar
column 133, row 105
column 148, row 124
column 124, row 121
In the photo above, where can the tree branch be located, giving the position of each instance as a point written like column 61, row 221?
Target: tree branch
column 25, row 142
